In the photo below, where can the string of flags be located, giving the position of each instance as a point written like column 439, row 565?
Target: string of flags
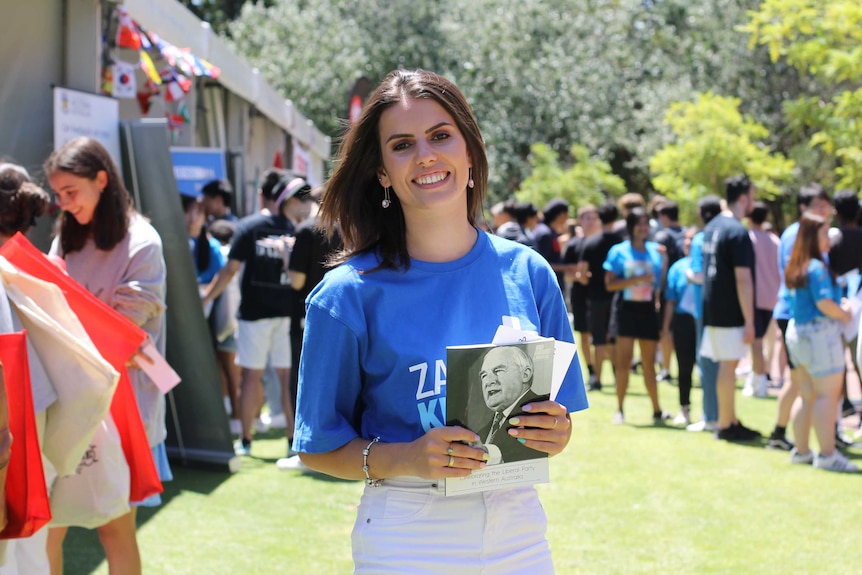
column 180, row 66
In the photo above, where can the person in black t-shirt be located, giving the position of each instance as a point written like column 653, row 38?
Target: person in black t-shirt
column 670, row 235
column 594, row 252
column 262, row 244
column 728, row 301
column 546, row 236
column 588, row 220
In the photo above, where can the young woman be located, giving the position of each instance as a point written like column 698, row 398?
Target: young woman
column 634, row 269
column 116, row 254
column 679, row 321
column 206, row 251
column 815, row 344
column 417, row 276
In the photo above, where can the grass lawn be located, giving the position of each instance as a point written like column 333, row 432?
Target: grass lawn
column 625, row 499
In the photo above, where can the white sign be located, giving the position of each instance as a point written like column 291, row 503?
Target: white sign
column 82, row 114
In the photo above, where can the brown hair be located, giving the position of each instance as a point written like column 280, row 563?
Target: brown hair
column 21, row 201
column 85, row 157
column 805, row 248
column 353, row 194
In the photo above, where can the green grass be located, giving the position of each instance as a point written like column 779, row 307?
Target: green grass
column 625, row 499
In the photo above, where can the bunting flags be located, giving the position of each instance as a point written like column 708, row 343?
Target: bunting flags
column 176, row 85
column 124, row 80
column 150, row 69
column 128, row 35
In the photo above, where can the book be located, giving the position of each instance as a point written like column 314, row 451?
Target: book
column 486, row 385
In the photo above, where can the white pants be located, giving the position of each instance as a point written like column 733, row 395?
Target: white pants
column 408, row 525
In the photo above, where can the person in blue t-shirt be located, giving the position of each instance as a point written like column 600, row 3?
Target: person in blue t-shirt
column 416, row 276
column 206, row 251
column 634, row 269
column 679, row 321
column 814, row 341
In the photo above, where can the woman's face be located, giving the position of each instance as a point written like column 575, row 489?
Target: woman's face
column 195, row 219
column 425, row 158
column 641, row 229
column 77, row 195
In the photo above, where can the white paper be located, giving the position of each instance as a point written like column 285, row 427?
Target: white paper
column 159, row 370
column 499, row 476
column 564, row 352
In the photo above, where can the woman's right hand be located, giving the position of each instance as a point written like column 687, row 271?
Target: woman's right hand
column 847, row 309
column 430, row 456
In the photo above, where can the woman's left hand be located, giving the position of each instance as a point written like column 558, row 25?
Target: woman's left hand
column 546, row 427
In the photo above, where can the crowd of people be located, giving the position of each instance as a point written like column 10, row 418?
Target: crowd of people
column 714, row 294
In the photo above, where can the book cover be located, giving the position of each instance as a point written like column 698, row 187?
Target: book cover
column 486, row 385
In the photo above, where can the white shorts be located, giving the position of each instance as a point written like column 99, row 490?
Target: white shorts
column 723, row 343
column 407, row 525
column 261, row 340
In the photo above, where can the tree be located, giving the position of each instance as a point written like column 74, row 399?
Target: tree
column 586, row 181
column 714, row 141
column 822, row 38
column 219, row 13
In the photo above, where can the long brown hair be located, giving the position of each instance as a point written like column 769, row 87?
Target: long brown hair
column 85, row 157
column 353, row 195
column 805, row 248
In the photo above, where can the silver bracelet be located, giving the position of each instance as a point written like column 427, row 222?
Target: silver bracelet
column 368, row 479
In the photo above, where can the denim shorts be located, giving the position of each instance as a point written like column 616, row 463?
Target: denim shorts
column 816, row 345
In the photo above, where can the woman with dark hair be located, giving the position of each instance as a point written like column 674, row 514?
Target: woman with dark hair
column 206, row 251
column 634, row 270
column 815, row 345
column 21, row 201
column 416, row 276
column 111, row 250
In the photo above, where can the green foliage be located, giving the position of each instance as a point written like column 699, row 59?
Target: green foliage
column 713, row 141
column 822, row 38
column 219, row 13
column 587, row 181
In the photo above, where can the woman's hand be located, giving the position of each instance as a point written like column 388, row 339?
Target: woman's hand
column 546, row 428
column 445, row 452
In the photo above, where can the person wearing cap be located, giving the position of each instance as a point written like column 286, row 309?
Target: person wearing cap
column 263, row 243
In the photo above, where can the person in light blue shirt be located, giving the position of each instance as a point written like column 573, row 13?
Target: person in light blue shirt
column 634, row 271
column 679, row 321
column 815, row 200
column 814, row 341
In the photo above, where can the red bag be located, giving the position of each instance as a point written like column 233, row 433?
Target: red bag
column 117, row 338
column 28, row 507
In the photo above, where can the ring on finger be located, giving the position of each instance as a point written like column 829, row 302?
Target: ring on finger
column 451, row 461
column 451, row 450
column 556, row 421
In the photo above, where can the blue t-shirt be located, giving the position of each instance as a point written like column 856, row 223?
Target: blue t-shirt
column 803, row 301
column 374, row 350
column 696, row 255
column 627, row 262
column 216, row 260
column 788, row 238
column 679, row 290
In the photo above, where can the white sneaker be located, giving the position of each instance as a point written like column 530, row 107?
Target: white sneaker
column 797, row 458
column 835, row 462
column 748, row 386
column 761, row 390
column 702, row 425
column 619, row 418
column 682, row 418
column 742, row 371
column 291, row 463
column 235, row 426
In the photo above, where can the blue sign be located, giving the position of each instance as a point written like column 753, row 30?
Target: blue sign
column 194, row 167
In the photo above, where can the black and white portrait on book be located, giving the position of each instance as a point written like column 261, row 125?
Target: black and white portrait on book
column 487, row 386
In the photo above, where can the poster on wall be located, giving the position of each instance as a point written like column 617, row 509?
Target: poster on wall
column 194, row 167
column 83, row 114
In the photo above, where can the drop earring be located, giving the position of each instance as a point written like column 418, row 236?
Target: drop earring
column 385, row 203
column 470, row 183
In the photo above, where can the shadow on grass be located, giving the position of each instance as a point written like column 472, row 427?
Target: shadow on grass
column 82, row 551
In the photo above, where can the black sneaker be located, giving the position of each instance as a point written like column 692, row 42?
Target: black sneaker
column 737, row 432
column 659, row 417
column 847, row 408
column 779, row 442
column 594, row 384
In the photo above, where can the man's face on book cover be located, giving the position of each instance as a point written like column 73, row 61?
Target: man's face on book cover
column 505, row 375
